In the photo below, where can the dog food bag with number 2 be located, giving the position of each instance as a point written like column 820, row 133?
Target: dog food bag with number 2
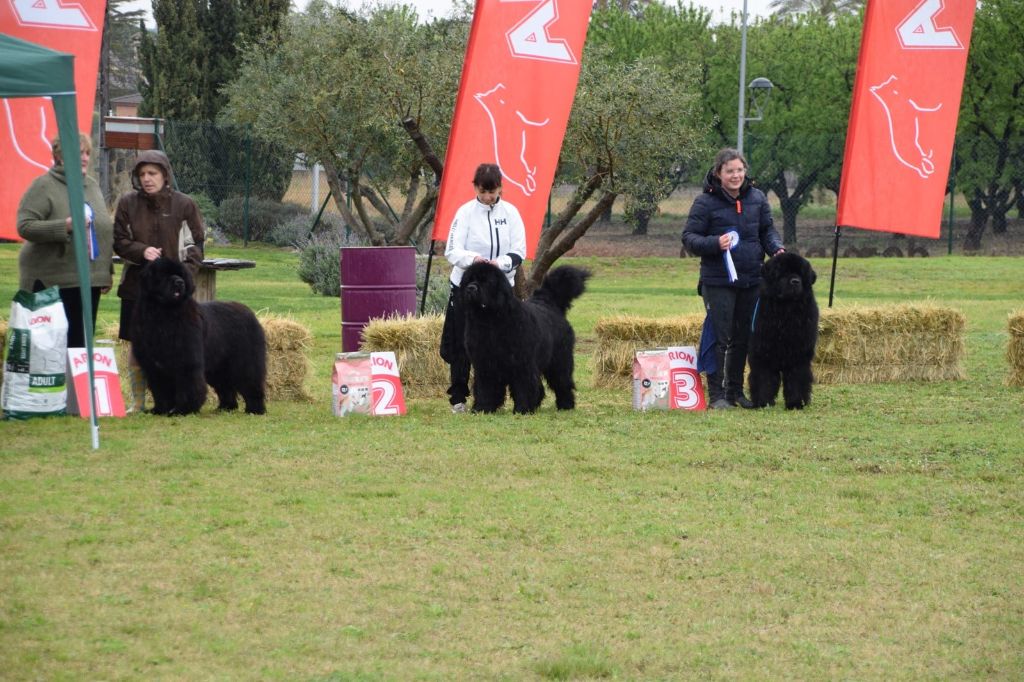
column 367, row 383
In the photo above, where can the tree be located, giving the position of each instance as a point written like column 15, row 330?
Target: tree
column 798, row 145
column 677, row 40
column 621, row 141
column 186, row 64
column 990, row 140
column 172, row 62
column 339, row 86
column 829, row 9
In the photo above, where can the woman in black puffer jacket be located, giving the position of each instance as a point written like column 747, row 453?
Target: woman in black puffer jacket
column 730, row 217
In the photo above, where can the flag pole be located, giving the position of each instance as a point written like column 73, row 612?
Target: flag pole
column 835, row 256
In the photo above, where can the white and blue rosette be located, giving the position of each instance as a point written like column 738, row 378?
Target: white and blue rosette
column 90, row 233
column 730, row 267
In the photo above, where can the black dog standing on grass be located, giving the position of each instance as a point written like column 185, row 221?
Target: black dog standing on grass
column 512, row 343
column 182, row 345
column 785, row 333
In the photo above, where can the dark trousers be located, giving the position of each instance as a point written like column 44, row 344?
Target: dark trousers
column 730, row 310
column 72, row 300
column 453, row 348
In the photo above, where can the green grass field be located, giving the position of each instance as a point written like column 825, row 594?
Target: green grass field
column 878, row 534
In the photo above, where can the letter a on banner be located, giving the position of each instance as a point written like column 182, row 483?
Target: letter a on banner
column 27, row 125
column 906, row 99
column 518, row 82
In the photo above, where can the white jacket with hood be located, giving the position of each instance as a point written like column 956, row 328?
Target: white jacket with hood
column 491, row 232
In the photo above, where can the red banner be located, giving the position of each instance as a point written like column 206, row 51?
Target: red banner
column 27, row 125
column 518, row 82
column 906, row 99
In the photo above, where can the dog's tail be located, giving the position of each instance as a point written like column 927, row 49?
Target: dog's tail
column 562, row 286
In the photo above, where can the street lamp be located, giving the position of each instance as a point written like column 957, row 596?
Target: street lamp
column 760, row 88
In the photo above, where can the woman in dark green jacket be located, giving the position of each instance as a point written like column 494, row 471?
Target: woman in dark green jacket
column 47, row 257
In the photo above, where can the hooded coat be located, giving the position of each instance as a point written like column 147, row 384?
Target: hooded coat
column 143, row 220
column 715, row 213
column 48, row 255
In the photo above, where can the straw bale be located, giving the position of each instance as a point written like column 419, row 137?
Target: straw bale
column 1015, row 348
column 619, row 337
column 287, row 361
column 855, row 345
column 415, row 342
column 918, row 342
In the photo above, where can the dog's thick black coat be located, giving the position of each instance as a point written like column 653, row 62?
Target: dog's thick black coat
column 785, row 333
column 511, row 343
column 183, row 345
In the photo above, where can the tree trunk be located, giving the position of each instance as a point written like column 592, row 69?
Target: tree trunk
column 543, row 262
column 979, row 220
column 642, row 220
column 790, row 209
column 338, row 192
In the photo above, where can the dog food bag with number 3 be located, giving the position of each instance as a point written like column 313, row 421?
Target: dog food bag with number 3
column 667, row 379
column 35, row 357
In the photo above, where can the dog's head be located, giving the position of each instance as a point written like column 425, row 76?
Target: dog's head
column 485, row 288
column 166, row 282
column 787, row 276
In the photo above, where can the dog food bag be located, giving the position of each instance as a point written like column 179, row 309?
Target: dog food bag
column 651, row 380
column 351, row 384
column 35, row 356
column 367, row 383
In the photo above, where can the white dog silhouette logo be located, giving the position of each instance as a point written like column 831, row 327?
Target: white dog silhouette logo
column 510, row 132
column 907, row 121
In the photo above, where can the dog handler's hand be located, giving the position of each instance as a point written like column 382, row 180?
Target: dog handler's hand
column 152, row 253
column 725, row 242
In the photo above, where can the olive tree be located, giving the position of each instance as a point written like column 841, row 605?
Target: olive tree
column 632, row 123
column 990, row 141
column 352, row 90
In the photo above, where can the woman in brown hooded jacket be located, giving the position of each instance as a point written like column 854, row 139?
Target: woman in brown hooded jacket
column 147, row 225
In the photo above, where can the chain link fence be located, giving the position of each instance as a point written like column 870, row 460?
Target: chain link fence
column 240, row 183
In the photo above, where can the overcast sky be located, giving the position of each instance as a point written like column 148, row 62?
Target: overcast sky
column 439, row 8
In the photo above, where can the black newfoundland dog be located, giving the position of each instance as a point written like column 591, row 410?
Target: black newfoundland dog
column 182, row 345
column 512, row 343
column 785, row 332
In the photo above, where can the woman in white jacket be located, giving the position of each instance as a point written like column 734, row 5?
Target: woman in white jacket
column 485, row 229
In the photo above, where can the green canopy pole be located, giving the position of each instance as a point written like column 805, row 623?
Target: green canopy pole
column 67, row 124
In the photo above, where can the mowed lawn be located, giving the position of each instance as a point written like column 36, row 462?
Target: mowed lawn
column 878, row 534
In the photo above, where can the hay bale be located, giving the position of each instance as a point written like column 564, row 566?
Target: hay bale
column 619, row 337
column 287, row 362
column 415, row 342
column 855, row 345
column 890, row 343
column 1015, row 348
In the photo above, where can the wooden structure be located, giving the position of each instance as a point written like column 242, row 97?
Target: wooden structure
column 129, row 132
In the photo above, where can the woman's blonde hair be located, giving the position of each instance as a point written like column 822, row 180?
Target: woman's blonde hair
column 84, row 144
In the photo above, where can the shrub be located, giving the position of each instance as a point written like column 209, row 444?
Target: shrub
column 438, row 287
column 319, row 268
column 318, row 261
column 207, row 208
column 295, row 231
column 264, row 215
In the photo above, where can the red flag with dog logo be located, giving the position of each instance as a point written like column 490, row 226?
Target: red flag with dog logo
column 27, row 125
column 906, row 98
column 518, row 83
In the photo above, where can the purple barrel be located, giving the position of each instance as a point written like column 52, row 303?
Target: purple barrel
column 376, row 281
